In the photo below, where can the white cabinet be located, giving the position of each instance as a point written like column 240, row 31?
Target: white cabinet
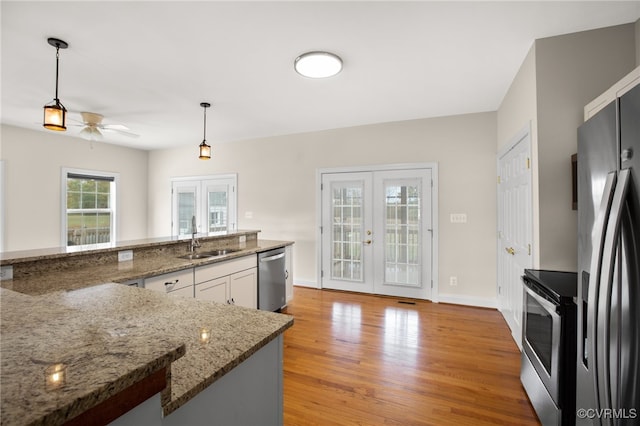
column 179, row 283
column 234, row 282
column 215, row 289
column 243, row 288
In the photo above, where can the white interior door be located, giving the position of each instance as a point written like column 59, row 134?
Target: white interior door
column 377, row 232
column 514, row 230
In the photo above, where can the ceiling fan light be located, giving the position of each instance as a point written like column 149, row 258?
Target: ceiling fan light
column 205, row 151
column 55, row 116
column 91, row 133
column 318, row 64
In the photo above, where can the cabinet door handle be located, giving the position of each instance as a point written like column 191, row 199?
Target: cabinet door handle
column 168, row 286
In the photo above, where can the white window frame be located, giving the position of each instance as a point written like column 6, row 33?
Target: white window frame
column 65, row 171
column 201, row 183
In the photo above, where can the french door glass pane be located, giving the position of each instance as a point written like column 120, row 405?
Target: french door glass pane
column 186, row 211
column 218, row 211
column 346, row 251
column 402, row 232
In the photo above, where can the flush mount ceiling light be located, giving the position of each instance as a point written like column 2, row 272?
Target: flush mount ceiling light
column 205, row 150
column 55, row 113
column 318, row 64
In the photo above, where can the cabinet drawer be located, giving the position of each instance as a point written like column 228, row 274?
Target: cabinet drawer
column 170, row 282
column 216, row 270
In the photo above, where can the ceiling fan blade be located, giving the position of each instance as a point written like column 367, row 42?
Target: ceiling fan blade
column 122, row 132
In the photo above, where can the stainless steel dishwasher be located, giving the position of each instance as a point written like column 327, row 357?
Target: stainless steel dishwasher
column 271, row 280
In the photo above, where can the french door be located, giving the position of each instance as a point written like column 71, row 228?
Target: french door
column 377, row 232
column 212, row 201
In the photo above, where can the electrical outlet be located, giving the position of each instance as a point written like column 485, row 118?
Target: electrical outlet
column 6, row 272
column 248, row 215
column 453, row 281
column 242, row 239
column 125, row 255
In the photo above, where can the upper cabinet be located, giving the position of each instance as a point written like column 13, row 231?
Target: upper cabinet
column 615, row 91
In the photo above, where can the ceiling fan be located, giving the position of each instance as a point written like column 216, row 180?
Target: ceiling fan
column 92, row 127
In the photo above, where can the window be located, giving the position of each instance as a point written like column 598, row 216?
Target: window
column 210, row 199
column 89, row 208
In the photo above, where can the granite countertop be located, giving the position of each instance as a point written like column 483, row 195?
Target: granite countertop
column 110, row 336
column 163, row 261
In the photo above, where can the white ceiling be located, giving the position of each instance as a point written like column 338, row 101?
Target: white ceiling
column 148, row 65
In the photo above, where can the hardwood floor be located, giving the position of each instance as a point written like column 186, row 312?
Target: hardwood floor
column 370, row 360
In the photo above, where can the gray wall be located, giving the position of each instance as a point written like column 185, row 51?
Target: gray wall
column 571, row 70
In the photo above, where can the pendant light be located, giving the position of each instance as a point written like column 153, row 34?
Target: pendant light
column 55, row 114
column 205, row 150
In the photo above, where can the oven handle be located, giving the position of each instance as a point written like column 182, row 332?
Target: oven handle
column 599, row 232
column 606, row 284
column 547, row 305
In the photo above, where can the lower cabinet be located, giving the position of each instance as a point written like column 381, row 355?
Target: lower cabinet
column 234, row 282
column 216, row 290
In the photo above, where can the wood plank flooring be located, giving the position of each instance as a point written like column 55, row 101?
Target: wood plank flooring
column 353, row 359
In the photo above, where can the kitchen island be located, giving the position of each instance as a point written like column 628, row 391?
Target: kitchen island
column 109, row 337
column 71, row 347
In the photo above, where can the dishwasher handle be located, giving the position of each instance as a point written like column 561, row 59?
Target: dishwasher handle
column 271, row 258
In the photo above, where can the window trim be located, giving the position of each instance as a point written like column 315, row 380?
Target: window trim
column 99, row 174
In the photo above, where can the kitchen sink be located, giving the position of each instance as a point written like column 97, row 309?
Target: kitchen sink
column 207, row 254
column 196, row 256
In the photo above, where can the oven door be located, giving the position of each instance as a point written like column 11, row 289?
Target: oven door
column 541, row 339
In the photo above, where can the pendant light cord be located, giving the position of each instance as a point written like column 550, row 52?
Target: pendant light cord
column 204, row 137
column 57, row 62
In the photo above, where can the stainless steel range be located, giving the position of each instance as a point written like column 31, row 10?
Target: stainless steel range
column 549, row 345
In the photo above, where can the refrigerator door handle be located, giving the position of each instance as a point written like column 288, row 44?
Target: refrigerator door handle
column 599, row 232
column 606, row 285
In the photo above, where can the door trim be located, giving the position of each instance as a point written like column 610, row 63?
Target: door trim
column 375, row 168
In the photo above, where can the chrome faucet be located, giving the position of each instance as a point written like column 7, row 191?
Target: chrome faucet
column 194, row 243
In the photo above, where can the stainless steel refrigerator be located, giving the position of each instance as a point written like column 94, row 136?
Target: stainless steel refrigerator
column 608, row 347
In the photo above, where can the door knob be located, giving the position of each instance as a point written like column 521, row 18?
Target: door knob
column 510, row 250
column 368, row 242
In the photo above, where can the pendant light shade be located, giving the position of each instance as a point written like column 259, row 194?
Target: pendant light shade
column 55, row 114
column 205, row 150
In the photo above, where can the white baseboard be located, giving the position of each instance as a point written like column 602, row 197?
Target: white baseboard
column 481, row 302
column 456, row 299
column 305, row 283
